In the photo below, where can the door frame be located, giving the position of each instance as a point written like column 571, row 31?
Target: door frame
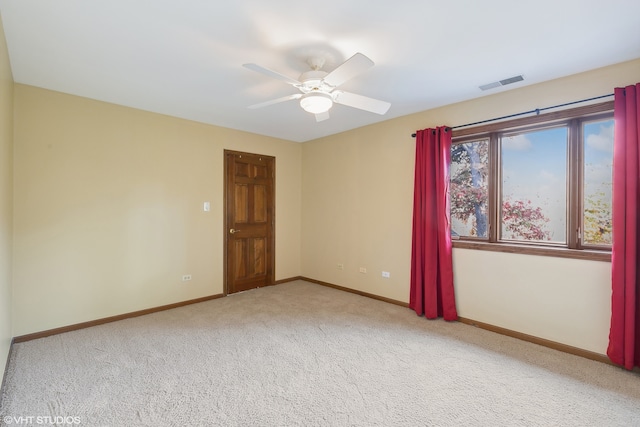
column 271, row 266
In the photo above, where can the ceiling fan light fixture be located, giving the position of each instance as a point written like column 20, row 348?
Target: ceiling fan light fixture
column 316, row 102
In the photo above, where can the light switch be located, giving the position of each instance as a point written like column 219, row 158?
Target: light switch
column 207, row 206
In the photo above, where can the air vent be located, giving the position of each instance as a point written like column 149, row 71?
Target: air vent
column 504, row 82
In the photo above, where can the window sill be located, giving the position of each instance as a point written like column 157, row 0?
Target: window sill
column 586, row 254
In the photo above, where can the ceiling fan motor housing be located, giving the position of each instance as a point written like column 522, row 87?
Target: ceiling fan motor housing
column 312, row 81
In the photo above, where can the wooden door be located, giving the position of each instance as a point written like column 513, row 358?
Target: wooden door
column 249, row 221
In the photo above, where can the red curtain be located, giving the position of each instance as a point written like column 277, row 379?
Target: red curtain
column 432, row 291
column 624, row 335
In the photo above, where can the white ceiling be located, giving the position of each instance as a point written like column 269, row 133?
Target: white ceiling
column 184, row 58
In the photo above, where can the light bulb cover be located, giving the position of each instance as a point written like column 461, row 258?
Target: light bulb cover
column 316, row 102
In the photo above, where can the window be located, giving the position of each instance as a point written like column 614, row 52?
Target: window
column 535, row 185
column 598, row 170
column 469, row 190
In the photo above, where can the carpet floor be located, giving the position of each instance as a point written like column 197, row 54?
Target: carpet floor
column 299, row 354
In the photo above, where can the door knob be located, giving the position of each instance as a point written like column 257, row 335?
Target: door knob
column 233, row 231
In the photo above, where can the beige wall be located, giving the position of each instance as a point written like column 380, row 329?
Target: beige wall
column 6, row 198
column 109, row 208
column 357, row 211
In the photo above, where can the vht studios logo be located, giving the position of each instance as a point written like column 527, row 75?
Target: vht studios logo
column 41, row 420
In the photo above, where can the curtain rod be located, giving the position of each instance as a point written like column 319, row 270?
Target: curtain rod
column 537, row 111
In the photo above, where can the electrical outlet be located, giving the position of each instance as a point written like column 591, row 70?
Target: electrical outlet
column 340, row 266
column 386, row 274
column 363, row 270
column 186, row 277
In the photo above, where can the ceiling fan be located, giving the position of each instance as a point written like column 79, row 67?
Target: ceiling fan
column 318, row 90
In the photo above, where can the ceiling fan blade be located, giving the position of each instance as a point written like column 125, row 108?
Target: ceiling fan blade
column 275, row 101
column 271, row 73
column 361, row 102
column 353, row 66
column 322, row 116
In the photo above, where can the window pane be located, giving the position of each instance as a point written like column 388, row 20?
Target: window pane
column 469, row 189
column 598, row 170
column 534, row 186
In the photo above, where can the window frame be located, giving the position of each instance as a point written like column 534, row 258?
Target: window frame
column 573, row 119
